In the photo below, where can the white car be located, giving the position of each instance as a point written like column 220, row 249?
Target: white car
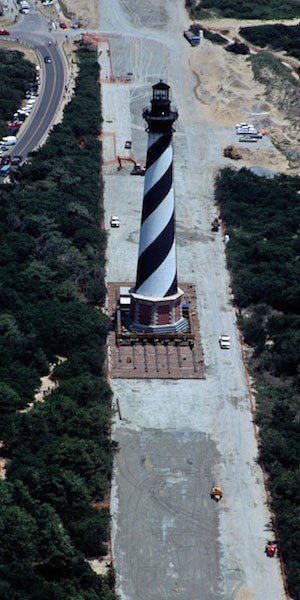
column 115, row 222
column 224, row 341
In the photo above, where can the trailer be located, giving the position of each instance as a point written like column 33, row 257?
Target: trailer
column 193, row 37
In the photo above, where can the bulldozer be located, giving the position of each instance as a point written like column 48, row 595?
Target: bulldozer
column 232, row 152
column 216, row 493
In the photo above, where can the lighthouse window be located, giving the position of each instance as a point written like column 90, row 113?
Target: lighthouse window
column 161, row 95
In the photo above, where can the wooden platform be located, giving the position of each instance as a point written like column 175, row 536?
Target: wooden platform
column 162, row 360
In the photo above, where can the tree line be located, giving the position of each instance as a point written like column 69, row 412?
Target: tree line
column 16, row 76
column 261, row 216
column 279, row 37
column 243, row 9
column 58, row 453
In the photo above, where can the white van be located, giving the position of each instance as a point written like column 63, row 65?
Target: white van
column 9, row 140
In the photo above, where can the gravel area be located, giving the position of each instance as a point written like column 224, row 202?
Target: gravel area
column 178, row 437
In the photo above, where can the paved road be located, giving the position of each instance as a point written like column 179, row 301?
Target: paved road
column 169, row 539
column 32, row 30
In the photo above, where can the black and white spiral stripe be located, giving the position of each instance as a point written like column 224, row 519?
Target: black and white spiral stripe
column 157, row 272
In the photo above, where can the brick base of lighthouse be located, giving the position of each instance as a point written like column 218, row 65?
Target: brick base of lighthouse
column 157, row 315
column 139, row 355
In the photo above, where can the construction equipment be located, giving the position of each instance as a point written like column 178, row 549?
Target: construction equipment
column 216, row 493
column 270, row 549
column 137, row 169
column 193, row 37
column 231, row 152
column 215, row 224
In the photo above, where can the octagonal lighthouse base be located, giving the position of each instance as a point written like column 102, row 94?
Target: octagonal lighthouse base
column 153, row 315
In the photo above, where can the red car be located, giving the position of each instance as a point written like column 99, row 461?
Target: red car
column 4, row 32
column 14, row 126
column 63, row 26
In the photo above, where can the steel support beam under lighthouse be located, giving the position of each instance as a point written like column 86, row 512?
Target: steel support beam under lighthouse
column 156, row 298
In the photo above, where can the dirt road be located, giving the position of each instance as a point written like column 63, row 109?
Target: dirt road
column 176, row 438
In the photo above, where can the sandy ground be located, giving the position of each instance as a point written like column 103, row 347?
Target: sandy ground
column 225, row 87
column 175, row 438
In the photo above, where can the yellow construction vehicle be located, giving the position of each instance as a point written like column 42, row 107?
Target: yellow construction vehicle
column 216, row 493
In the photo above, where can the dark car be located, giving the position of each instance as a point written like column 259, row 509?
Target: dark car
column 63, row 25
column 21, row 117
column 4, row 32
column 13, row 130
column 16, row 160
column 128, row 144
column 47, row 60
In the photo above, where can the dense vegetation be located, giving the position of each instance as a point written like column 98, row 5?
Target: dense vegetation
column 243, row 9
column 262, row 217
column 237, row 48
column 273, row 74
column 16, row 75
column 279, row 37
column 58, row 453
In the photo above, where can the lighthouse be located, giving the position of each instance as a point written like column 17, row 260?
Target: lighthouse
column 156, row 298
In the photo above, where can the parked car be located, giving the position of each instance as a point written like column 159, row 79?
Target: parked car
column 13, row 125
column 16, row 160
column 4, row 171
column 13, row 130
column 21, row 115
column 9, row 140
column 4, row 32
column 115, row 222
column 63, row 25
column 4, row 160
column 128, row 144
